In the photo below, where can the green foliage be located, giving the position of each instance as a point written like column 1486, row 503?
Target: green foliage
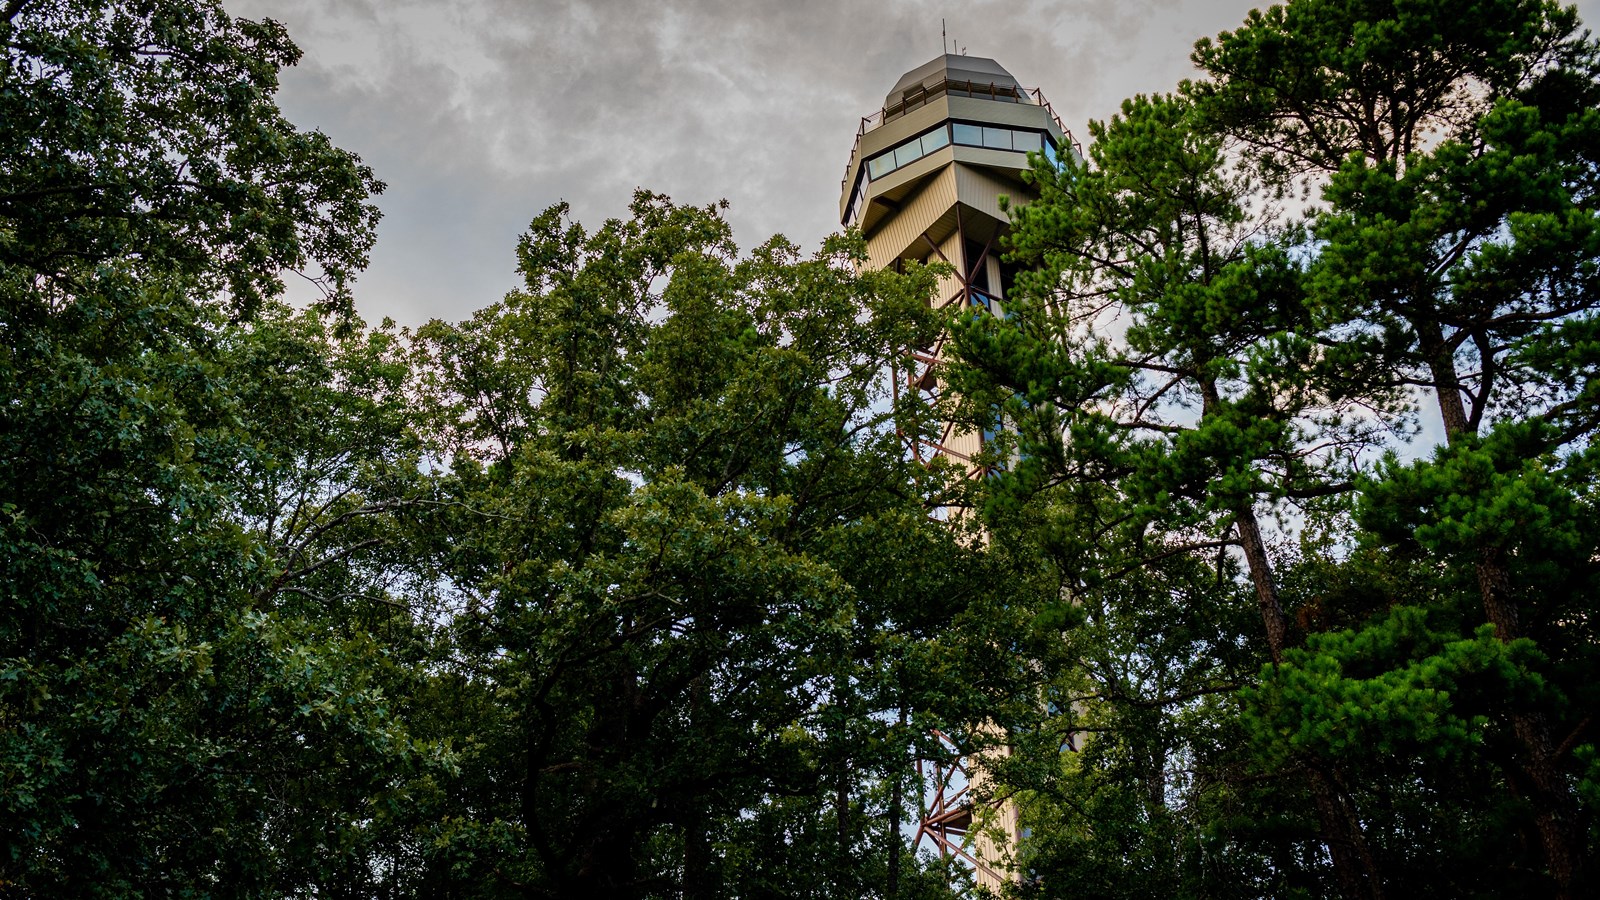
column 143, row 138
column 1163, row 446
column 1360, row 211
column 626, row 585
column 697, row 567
column 1314, row 703
column 165, row 725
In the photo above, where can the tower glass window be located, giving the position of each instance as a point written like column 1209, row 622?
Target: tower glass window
column 960, row 133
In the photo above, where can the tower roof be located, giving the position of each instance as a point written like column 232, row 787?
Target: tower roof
column 950, row 67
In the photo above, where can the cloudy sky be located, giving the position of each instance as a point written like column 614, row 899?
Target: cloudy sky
column 480, row 113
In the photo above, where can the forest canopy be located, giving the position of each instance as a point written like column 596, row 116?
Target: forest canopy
column 1279, row 579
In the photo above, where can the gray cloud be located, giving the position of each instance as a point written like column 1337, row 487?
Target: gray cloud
column 481, row 113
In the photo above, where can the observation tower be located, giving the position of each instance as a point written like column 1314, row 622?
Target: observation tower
column 924, row 183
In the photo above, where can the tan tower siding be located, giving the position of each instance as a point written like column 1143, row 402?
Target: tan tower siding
column 931, row 209
column 901, row 234
column 982, row 192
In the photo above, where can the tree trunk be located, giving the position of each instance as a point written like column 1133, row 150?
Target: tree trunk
column 697, row 880
column 1341, row 830
column 896, row 798
column 697, row 861
column 605, row 866
column 841, row 813
column 1353, row 864
column 1255, row 555
column 1446, row 381
column 841, row 791
column 1553, row 804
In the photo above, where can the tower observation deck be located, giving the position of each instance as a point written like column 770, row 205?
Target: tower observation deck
column 924, row 183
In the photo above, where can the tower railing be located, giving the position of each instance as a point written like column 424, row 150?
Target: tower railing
column 920, row 96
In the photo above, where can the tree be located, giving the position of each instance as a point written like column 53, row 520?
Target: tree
column 145, row 136
column 1211, row 406
column 1132, row 784
column 166, row 723
column 1457, row 248
column 1433, row 624
column 697, row 570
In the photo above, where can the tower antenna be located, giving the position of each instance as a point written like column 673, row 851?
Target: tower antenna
column 944, row 39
